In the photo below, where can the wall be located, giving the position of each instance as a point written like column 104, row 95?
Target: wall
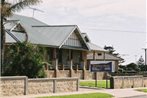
column 13, row 85
column 128, row 81
column 21, row 85
column 63, row 73
column 145, row 82
column 86, row 75
column 92, row 75
column 78, row 73
column 50, row 74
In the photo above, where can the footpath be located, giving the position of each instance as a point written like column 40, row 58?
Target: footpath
column 117, row 93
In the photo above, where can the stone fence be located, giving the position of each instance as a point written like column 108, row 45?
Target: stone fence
column 21, row 85
column 81, row 74
column 128, row 82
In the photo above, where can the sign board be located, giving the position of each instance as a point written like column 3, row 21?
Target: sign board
column 104, row 67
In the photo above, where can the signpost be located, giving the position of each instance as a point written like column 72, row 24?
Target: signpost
column 103, row 67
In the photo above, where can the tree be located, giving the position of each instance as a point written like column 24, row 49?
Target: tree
column 110, row 49
column 140, row 61
column 7, row 9
column 132, row 67
column 141, row 64
column 24, row 59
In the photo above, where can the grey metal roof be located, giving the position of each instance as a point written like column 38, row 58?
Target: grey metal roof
column 111, row 57
column 13, row 37
column 10, row 24
column 95, row 47
column 86, row 38
column 26, row 21
column 50, row 35
column 92, row 46
column 43, row 34
column 10, row 39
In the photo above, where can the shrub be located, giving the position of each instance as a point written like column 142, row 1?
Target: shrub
column 23, row 59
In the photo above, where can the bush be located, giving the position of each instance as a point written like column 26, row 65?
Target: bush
column 23, row 59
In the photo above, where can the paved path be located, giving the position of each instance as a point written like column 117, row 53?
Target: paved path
column 123, row 93
column 143, row 96
column 118, row 93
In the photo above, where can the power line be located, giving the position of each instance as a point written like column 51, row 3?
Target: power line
column 119, row 30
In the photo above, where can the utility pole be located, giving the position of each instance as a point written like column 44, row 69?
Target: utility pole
column 145, row 49
column 135, row 59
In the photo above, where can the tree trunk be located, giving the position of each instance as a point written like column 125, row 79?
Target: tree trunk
column 2, row 37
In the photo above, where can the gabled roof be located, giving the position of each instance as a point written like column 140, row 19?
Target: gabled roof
column 94, row 47
column 52, row 35
column 111, row 57
column 13, row 36
column 26, row 21
column 10, row 24
column 48, row 35
column 86, row 38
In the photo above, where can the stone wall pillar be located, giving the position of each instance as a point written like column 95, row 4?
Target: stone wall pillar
column 56, row 68
column 55, row 61
column 71, row 69
column 84, row 62
column 84, row 70
column 71, row 62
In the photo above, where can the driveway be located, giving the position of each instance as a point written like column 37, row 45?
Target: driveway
column 118, row 93
column 142, row 96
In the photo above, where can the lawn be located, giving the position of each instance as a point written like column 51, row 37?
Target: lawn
column 90, row 95
column 142, row 90
column 100, row 83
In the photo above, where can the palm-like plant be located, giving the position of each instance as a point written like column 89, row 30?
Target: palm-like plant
column 7, row 9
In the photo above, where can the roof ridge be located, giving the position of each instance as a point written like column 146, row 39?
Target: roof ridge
column 23, row 16
column 53, row 25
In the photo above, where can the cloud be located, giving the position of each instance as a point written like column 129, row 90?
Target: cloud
column 96, row 7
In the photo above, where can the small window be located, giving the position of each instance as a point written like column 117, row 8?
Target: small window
column 99, row 54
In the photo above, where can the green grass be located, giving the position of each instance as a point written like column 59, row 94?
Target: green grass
column 90, row 95
column 100, row 83
column 142, row 90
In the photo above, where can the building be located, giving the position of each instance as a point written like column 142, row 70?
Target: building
column 98, row 55
column 68, row 51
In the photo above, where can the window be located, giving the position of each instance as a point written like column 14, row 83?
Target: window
column 99, row 54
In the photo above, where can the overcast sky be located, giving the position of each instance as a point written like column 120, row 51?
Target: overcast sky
column 119, row 23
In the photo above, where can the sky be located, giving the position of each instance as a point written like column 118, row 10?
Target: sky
column 117, row 23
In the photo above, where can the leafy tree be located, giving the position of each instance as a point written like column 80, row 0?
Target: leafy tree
column 111, row 51
column 24, row 59
column 7, row 9
column 132, row 67
column 121, row 69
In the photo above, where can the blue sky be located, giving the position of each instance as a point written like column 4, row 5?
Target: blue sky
column 120, row 23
